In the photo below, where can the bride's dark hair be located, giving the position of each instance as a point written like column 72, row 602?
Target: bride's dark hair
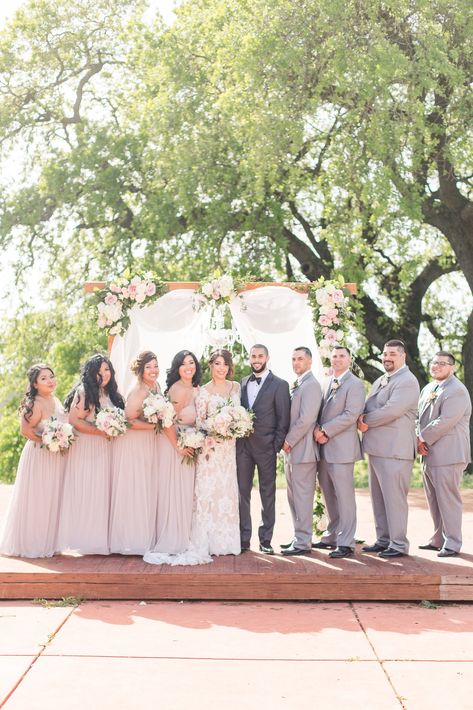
column 90, row 381
column 26, row 404
column 173, row 372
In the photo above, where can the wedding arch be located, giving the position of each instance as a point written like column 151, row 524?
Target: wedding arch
column 188, row 315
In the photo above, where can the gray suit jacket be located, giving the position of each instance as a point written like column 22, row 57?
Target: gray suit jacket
column 271, row 408
column 443, row 423
column 390, row 412
column 305, row 405
column 338, row 418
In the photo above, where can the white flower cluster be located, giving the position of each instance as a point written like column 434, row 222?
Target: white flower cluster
column 122, row 294
column 158, row 410
column 331, row 301
column 191, row 438
column 218, row 289
column 229, row 421
column 57, row 436
column 112, row 421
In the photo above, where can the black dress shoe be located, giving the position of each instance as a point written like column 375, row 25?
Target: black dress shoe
column 446, row 552
column 294, row 551
column 428, row 546
column 341, row 551
column 373, row 548
column 265, row 547
column 245, row 546
column 287, row 545
column 323, row 546
column 390, row 552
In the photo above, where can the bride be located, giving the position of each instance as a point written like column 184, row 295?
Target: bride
column 215, row 528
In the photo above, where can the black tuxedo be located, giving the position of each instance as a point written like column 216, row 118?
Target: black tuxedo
column 272, row 408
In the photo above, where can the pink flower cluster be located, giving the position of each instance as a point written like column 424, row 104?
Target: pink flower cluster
column 331, row 301
column 122, row 295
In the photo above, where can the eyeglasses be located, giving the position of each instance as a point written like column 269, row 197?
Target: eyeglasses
column 436, row 363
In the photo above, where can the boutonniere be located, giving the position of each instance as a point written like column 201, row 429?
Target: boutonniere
column 433, row 394
column 384, row 381
column 294, row 386
column 334, row 386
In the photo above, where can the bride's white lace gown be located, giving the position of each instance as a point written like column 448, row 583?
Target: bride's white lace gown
column 215, row 519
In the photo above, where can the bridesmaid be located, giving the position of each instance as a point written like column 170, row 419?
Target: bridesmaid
column 32, row 519
column 176, row 477
column 84, row 521
column 135, row 473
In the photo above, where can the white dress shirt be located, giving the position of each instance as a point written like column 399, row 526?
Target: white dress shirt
column 253, row 387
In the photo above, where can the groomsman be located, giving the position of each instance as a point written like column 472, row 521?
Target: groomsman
column 268, row 397
column 444, row 444
column 337, row 435
column 389, row 440
column 301, row 452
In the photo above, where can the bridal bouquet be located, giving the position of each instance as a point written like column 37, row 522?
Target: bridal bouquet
column 112, row 421
column 57, row 436
column 158, row 410
column 193, row 439
column 229, row 421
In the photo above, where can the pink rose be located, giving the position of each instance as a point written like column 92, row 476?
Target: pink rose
column 324, row 320
column 331, row 336
column 332, row 313
column 338, row 296
column 110, row 299
column 150, row 289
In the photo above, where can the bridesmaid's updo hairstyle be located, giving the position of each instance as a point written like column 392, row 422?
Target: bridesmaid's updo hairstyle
column 26, row 404
column 90, row 381
column 173, row 372
column 138, row 364
column 227, row 359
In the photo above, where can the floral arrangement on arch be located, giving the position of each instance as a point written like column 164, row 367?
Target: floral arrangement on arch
column 215, row 292
column 332, row 313
column 118, row 297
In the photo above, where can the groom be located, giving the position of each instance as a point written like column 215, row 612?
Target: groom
column 268, row 397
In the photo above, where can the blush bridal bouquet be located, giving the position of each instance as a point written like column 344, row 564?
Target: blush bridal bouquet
column 229, row 421
column 158, row 410
column 191, row 438
column 57, row 436
column 112, row 421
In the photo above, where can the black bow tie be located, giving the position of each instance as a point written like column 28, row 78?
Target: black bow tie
column 253, row 378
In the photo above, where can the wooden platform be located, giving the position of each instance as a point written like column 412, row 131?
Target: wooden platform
column 254, row 576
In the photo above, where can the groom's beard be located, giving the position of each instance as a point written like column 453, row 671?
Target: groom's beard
column 258, row 369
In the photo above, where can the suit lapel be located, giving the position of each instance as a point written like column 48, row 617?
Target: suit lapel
column 263, row 387
column 244, row 392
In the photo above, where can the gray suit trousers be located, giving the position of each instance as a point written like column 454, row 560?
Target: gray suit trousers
column 336, row 482
column 442, row 490
column 301, row 479
column 265, row 462
column 389, row 481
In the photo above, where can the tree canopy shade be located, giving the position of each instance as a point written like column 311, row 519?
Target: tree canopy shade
column 276, row 137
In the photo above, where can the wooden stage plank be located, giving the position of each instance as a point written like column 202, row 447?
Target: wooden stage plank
column 253, row 577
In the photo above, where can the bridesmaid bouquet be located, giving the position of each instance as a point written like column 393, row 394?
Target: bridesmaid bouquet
column 112, row 421
column 229, row 421
column 158, row 410
column 193, row 439
column 57, row 436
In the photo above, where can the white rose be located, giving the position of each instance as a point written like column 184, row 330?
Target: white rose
column 207, row 289
column 226, row 286
column 54, row 447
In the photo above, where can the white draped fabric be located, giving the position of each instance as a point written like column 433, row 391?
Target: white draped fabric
column 281, row 319
column 276, row 316
column 170, row 324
